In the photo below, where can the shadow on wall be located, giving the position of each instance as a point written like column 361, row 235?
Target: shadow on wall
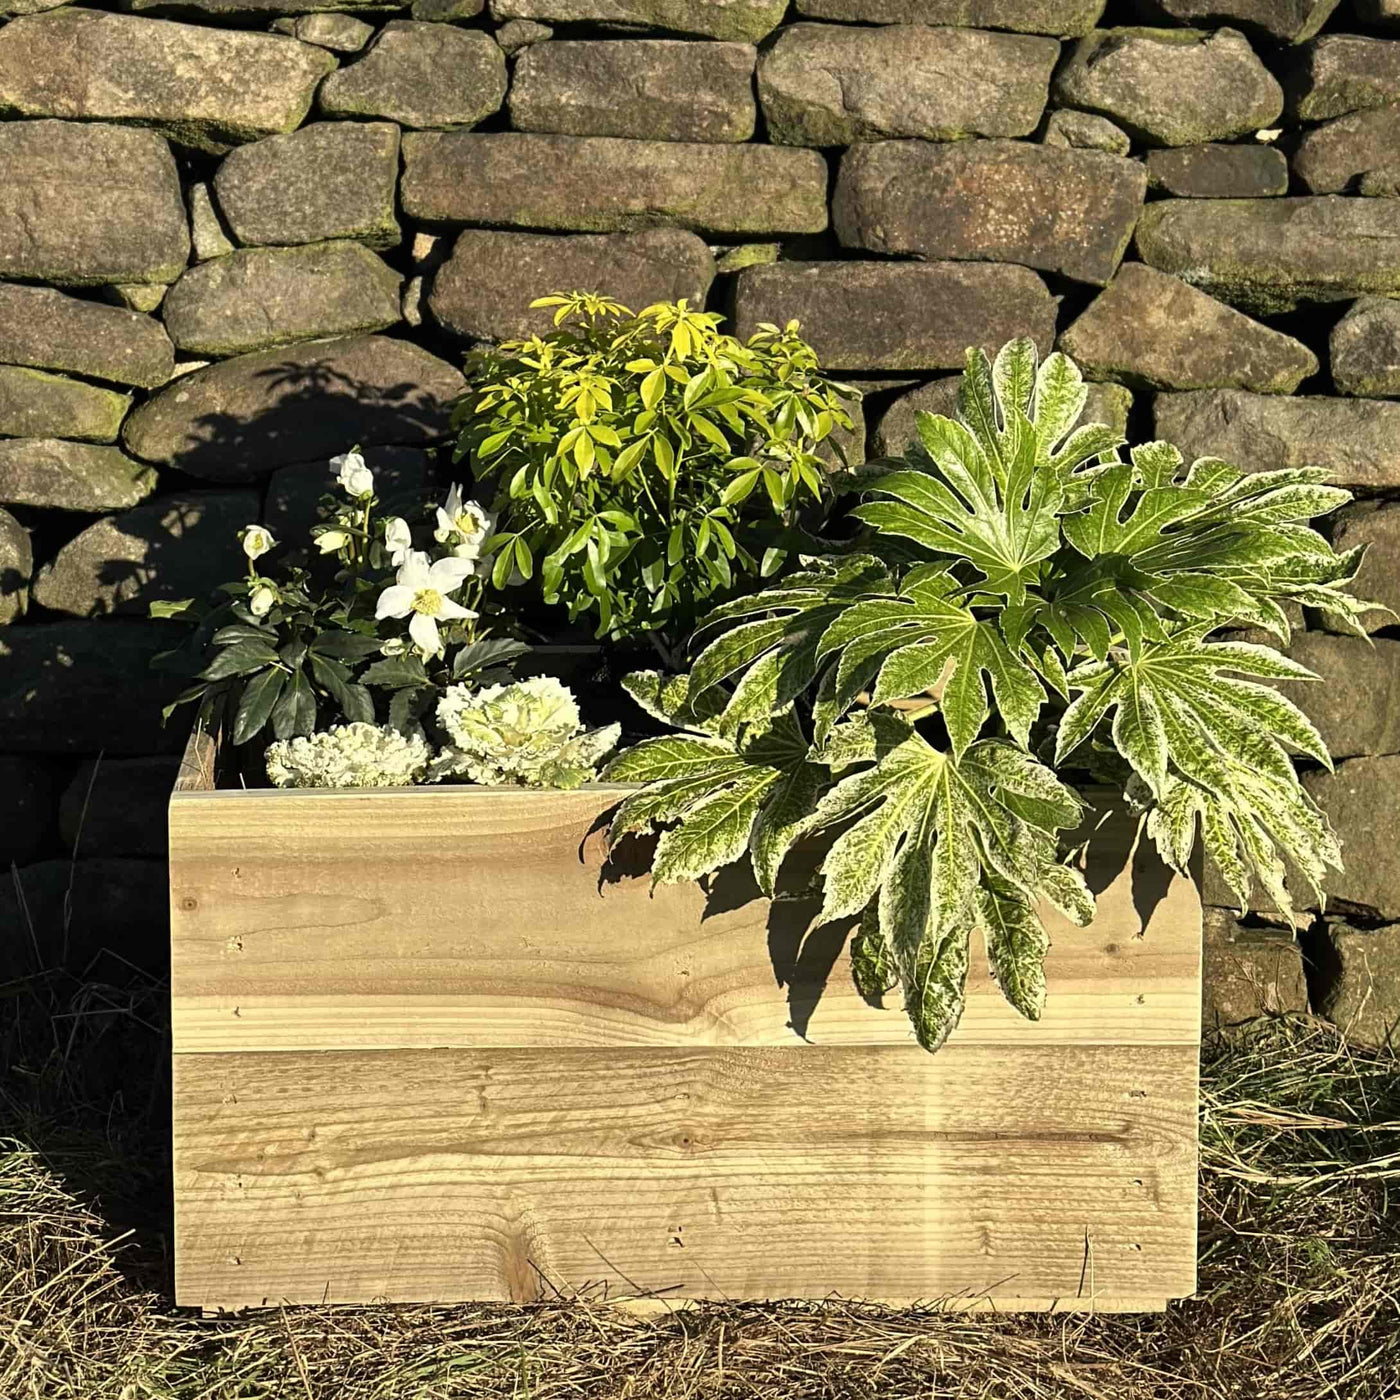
column 239, row 419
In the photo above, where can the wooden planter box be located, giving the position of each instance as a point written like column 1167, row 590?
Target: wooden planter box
column 427, row 1047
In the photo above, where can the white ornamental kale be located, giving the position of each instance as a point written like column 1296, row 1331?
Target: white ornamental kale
column 349, row 756
column 528, row 733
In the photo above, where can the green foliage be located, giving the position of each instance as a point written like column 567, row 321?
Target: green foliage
column 1020, row 591
column 646, row 464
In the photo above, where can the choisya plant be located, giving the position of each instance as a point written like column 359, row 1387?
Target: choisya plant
column 849, row 700
column 644, row 463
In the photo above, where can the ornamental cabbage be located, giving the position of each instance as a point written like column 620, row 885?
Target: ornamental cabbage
column 528, row 733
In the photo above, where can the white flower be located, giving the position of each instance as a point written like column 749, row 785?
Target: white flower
column 354, row 477
column 421, row 590
column 398, row 539
column 328, row 541
column 349, row 756
column 256, row 541
column 260, row 604
column 394, row 646
column 465, row 524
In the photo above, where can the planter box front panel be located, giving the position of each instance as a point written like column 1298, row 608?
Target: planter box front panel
column 430, row 1046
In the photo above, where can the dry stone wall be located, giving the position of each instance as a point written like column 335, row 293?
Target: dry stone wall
column 238, row 235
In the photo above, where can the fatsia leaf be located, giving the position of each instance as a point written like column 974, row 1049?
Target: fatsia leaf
column 920, row 644
column 995, row 508
column 668, row 698
column 1060, row 396
column 1066, row 889
column 935, row 989
column 1209, row 744
column 723, row 798
column 778, row 637
column 1016, row 947
column 920, row 826
column 872, row 967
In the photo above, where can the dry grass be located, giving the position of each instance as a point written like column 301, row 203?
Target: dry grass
column 1300, row 1265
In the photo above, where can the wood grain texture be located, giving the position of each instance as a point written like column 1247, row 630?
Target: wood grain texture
column 486, row 917
column 1030, row 1175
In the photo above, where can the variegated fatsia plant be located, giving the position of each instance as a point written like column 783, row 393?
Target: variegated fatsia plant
column 849, row 702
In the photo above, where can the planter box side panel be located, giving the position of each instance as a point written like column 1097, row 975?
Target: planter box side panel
column 491, row 917
column 1029, row 1176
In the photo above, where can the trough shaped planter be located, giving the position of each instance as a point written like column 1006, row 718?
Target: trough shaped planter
column 431, row 1046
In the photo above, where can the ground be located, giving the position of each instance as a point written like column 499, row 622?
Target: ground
column 1299, row 1278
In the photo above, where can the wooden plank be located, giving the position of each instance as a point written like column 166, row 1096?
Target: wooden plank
column 486, row 917
column 197, row 764
column 1021, row 1175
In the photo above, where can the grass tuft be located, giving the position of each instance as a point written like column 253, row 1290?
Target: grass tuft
column 1299, row 1297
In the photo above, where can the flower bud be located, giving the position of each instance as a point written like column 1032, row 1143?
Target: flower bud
column 256, row 541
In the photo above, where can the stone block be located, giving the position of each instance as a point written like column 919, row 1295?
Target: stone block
column 45, row 329
column 1340, row 73
column 71, row 475
column 1247, row 970
column 746, row 21
column 1247, row 171
column 175, row 547
column 206, row 227
column 896, row 316
column 1364, row 999
column 117, row 806
column 646, row 89
column 1292, row 21
column 1376, row 525
column 1153, row 331
column 1365, row 349
column 26, row 814
column 257, row 298
column 16, row 567
column 1086, row 131
column 1171, row 87
column 97, row 918
column 833, row 85
column 484, row 290
column 599, row 184
column 34, row 403
column 135, row 296
column 517, row 34
column 1356, row 704
column 404, row 477
column 87, row 688
column 1274, row 255
column 338, row 33
column 420, row 75
column 446, row 11
column 1357, row 440
column 344, row 175
column 189, row 82
column 1339, row 155
column 1058, row 18
column 88, row 204
column 1069, row 212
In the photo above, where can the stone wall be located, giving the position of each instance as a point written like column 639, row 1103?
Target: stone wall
column 238, row 235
